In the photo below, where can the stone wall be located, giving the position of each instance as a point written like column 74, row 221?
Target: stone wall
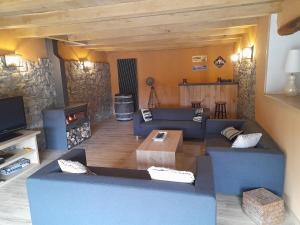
column 91, row 85
column 35, row 83
column 245, row 74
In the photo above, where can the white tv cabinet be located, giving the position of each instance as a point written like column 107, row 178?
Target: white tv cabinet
column 24, row 146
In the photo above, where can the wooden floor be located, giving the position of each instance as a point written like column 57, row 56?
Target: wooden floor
column 113, row 145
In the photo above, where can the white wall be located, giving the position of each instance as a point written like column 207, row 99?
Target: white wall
column 278, row 49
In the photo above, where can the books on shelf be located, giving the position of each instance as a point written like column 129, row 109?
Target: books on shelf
column 160, row 136
column 15, row 166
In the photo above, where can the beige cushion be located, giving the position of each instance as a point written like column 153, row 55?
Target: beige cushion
column 69, row 166
column 165, row 174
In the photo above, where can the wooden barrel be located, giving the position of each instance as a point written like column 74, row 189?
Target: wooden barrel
column 124, row 107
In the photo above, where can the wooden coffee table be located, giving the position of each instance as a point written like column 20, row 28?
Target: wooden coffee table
column 152, row 153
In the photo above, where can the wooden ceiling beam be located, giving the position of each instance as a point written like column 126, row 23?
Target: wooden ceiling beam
column 163, row 47
column 239, row 24
column 211, row 15
column 170, row 42
column 123, row 10
column 153, row 38
column 64, row 38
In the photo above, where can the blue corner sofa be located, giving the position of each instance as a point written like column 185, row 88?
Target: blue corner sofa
column 118, row 196
column 236, row 170
column 171, row 119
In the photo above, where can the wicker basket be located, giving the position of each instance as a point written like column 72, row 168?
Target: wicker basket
column 263, row 207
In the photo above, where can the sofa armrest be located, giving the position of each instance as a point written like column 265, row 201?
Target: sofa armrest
column 53, row 167
column 137, row 121
column 204, row 182
column 138, row 118
column 237, row 170
column 217, row 125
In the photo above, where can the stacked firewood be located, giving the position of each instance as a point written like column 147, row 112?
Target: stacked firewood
column 77, row 135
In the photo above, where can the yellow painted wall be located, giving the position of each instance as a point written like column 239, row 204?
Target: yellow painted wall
column 34, row 48
column 68, row 52
column 169, row 67
column 248, row 40
column 30, row 49
column 280, row 120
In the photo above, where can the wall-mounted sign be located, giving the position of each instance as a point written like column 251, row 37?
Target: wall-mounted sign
column 219, row 62
column 199, row 67
column 199, row 58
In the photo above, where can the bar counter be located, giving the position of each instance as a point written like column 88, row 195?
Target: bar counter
column 208, row 83
column 208, row 94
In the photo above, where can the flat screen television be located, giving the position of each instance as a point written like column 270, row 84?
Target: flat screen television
column 12, row 117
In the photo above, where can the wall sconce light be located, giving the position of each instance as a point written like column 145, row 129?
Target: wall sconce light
column 87, row 65
column 235, row 57
column 13, row 60
column 247, row 53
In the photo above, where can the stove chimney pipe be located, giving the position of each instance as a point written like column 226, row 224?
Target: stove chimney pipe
column 59, row 73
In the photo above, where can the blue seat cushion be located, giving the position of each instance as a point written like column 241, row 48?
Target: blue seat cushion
column 217, row 140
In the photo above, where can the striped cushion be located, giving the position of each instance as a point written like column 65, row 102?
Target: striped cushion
column 198, row 115
column 147, row 115
column 231, row 133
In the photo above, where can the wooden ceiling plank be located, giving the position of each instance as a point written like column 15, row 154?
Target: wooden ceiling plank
column 171, row 42
column 21, row 7
column 163, row 29
column 177, row 18
column 205, row 34
column 121, row 10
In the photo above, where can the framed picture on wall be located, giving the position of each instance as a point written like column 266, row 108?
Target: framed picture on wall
column 199, row 67
column 199, row 58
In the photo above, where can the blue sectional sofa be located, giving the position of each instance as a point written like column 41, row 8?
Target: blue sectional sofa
column 171, row 119
column 237, row 170
column 117, row 196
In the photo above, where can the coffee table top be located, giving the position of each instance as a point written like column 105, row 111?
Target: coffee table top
column 170, row 144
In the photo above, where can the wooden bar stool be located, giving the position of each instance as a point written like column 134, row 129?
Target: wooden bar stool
column 220, row 110
column 196, row 105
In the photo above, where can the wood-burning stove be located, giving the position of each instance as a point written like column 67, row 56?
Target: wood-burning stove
column 66, row 127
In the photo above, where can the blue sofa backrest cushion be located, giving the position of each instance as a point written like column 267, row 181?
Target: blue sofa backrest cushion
column 172, row 114
column 266, row 141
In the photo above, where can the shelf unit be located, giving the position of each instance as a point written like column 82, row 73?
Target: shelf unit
column 18, row 147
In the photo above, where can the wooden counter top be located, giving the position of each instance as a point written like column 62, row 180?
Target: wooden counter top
column 209, row 83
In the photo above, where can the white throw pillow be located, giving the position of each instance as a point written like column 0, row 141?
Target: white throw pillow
column 165, row 174
column 69, row 166
column 247, row 140
column 147, row 115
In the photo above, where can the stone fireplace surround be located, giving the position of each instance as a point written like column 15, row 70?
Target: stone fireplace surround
column 36, row 83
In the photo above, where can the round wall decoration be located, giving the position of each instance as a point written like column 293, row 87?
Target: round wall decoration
column 150, row 81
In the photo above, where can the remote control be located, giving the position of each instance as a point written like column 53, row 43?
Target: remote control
column 160, row 135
